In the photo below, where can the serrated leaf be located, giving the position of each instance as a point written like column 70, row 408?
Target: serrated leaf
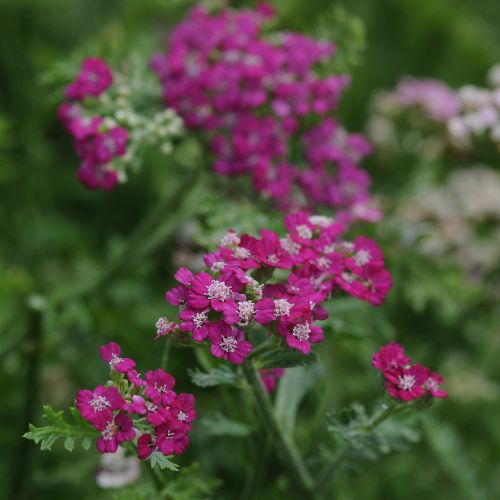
column 47, row 435
column 218, row 376
column 219, row 425
column 159, row 460
column 286, row 358
column 69, row 443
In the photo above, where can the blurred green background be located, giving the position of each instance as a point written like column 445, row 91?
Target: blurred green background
column 54, row 235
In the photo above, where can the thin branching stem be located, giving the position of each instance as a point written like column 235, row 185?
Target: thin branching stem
column 282, row 443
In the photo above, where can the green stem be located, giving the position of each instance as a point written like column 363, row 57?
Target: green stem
column 285, row 447
column 166, row 353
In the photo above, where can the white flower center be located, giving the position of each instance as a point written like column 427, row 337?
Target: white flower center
column 323, row 262
column 321, row 220
column 290, row 246
column 304, row 231
column 348, row 277
column 109, row 432
column 162, row 325
column 282, row 307
column 99, row 403
column 218, row 290
column 406, row 382
column 273, row 259
column 228, row 344
column 301, row 331
column 431, row 385
column 150, row 406
column 230, row 239
column 199, row 319
column 114, row 360
column 330, row 248
column 242, row 253
column 181, row 416
column 217, row 266
column 245, row 311
column 362, row 257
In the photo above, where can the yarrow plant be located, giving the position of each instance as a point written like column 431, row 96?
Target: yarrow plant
column 238, row 289
column 132, row 412
column 107, row 130
column 257, row 97
column 404, row 380
column 260, row 103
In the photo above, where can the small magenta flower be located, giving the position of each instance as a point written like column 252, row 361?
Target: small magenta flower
column 182, row 409
column 406, row 383
column 94, row 78
column 95, row 175
column 229, row 343
column 109, row 144
column 390, row 357
column 155, row 414
column 159, row 387
column 115, row 432
column 164, row 327
column 134, row 378
column 432, row 385
column 403, row 379
column 301, row 335
column 270, row 377
column 111, row 354
column 171, row 438
column 146, row 444
column 97, row 406
column 195, row 322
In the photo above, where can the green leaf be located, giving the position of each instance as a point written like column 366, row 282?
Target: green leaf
column 219, row 425
column 218, row 376
column 47, row 435
column 285, row 358
column 157, row 459
column 292, row 388
column 369, row 441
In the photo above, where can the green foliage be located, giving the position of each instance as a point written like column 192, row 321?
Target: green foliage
column 367, row 439
column 293, row 387
column 159, row 460
column 285, row 358
column 220, row 425
column 347, row 32
column 58, row 428
column 218, row 376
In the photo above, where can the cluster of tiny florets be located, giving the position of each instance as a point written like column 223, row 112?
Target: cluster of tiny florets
column 113, row 408
column 253, row 95
column 220, row 304
column 403, row 379
column 467, row 114
column 107, row 131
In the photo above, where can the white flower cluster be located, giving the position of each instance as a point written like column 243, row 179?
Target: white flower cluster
column 479, row 113
column 468, row 114
column 461, row 219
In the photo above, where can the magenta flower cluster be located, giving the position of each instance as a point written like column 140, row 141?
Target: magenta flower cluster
column 115, row 409
column 403, row 379
column 238, row 288
column 95, row 143
column 255, row 96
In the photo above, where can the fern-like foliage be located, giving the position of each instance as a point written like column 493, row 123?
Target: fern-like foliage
column 59, row 428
